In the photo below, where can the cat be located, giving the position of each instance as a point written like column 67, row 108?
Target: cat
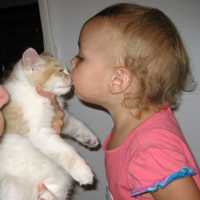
column 31, row 152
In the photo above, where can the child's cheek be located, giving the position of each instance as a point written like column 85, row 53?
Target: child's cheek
column 76, row 79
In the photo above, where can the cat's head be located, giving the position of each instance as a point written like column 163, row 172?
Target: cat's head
column 46, row 72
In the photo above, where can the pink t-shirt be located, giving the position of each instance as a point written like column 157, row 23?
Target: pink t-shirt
column 153, row 155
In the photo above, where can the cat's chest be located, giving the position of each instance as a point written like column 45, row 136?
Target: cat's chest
column 33, row 108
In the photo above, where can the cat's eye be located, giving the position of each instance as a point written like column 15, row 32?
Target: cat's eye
column 61, row 70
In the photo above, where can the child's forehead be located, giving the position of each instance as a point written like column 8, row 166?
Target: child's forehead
column 96, row 25
column 97, row 36
column 99, row 28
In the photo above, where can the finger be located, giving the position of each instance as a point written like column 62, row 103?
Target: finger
column 45, row 94
column 58, row 120
column 59, row 114
column 41, row 92
column 57, row 125
column 48, row 95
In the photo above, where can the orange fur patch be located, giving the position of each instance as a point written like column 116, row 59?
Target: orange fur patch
column 51, row 70
column 68, row 161
column 14, row 119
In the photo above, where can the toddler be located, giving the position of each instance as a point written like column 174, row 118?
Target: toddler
column 132, row 62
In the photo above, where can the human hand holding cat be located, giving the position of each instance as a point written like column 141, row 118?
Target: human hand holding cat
column 4, row 97
column 58, row 119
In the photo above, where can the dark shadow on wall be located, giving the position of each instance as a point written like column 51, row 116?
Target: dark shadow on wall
column 20, row 28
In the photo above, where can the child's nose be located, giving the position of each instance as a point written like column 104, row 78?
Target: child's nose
column 73, row 62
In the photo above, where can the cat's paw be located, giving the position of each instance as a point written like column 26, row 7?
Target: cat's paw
column 81, row 172
column 45, row 195
column 87, row 138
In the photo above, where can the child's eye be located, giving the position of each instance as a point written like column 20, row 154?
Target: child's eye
column 79, row 57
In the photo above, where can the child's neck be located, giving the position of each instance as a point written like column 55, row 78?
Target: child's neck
column 124, row 124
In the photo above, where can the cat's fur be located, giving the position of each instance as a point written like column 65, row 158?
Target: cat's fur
column 31, row 152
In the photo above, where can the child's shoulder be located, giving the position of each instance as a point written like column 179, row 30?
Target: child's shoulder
column 162, row 120
column 158, row 129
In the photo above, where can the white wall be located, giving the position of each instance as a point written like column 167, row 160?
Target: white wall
column 67, row 17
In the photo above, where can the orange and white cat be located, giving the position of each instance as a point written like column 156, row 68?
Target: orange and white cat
column 31, row 152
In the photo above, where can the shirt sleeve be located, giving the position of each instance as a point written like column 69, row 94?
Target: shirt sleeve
column 155, row 167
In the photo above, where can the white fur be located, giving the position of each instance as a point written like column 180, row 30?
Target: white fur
column 41, row 156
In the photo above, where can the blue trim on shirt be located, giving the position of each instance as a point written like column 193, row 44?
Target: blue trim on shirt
column 185, row 171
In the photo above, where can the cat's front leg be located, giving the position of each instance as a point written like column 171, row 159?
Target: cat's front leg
column 76, row 129
column 52, row 145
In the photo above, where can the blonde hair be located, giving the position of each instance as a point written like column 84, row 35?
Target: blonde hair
column 153, row 51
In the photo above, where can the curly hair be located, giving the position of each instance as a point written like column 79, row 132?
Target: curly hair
column 153, row 51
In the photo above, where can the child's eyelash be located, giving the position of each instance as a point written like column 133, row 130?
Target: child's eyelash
column 79, row 57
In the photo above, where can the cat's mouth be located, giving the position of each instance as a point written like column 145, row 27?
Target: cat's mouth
column 64, row 87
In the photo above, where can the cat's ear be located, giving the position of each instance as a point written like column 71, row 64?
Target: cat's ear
column 32, row 60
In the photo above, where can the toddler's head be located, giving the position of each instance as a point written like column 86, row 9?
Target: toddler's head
column 153, row 52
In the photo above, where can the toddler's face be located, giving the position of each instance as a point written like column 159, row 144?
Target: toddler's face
column 94, row 62
column 4, row 96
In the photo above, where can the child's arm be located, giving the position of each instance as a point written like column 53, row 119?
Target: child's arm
column 181, row 189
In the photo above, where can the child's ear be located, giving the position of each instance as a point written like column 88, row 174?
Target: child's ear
column 120, row 81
